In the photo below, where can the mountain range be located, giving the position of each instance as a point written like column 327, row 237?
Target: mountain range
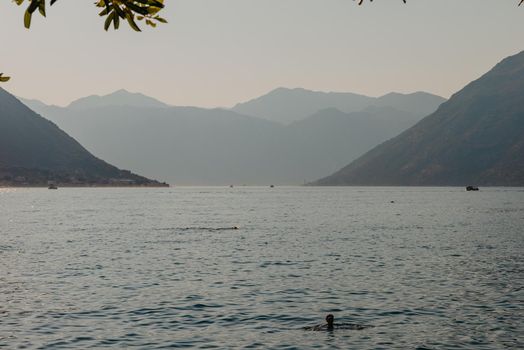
column 33, row 151
column 286, row 105
column 475, row 138
column 191, row 145
column 288, row 136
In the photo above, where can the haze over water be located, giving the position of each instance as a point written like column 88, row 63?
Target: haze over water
column 429, row 268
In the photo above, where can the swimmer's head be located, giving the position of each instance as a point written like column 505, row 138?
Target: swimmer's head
column 330, row 319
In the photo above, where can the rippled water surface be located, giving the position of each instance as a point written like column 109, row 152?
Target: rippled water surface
column 428, row 268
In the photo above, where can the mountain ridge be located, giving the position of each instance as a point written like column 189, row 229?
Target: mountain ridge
column 287, row 105
column 120, row 97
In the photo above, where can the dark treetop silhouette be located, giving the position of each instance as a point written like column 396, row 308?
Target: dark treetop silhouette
column 114, row 10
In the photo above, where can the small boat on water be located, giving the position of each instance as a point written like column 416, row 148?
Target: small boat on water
column 472, row 188
column 51, row 185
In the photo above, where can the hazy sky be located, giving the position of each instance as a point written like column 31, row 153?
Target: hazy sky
column 219, row 52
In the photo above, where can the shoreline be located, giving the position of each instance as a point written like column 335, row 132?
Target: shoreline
column 87, row 186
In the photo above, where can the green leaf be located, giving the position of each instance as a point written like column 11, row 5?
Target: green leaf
column 41, row 8
column 138, row 9
column 4, row 79
column 153, row 10
column 109, row 19
column 150, row 23
column 33, row 6
column 116, row 21
column 27, row 19
column 119, row 11
column 131, row 22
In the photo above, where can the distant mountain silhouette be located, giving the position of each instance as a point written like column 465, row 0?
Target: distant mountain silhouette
column 319, row 143
column 475, row 138
column 118, row 98
column 288, row 105
column 190, row 145
column 33, row 151
column 34, row 104
column 418, row 103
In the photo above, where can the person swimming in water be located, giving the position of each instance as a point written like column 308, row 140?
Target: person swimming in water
column 330, row 325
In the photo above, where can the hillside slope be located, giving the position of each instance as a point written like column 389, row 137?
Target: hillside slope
column 477, row 137
column 33, row 151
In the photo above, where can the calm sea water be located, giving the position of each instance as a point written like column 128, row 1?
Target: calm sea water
column 429, row 268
